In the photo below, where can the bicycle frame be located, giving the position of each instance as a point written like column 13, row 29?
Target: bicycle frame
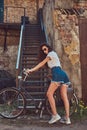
column 41, row 102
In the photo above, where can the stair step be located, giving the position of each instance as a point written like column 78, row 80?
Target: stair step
column 36, row 87
column 24, row 58
column 38, row 99
column 27, row 107
column 37, row 93
column 36, row 44
column 34, row 82
column 32, row 36
column 28, row 65
column 35, row 52
column 32, row 31
column 37, row 83
column 40, row 71
column 40, row 76
column 29, row 61
column 30, row 48
column 32, row 40
column 29, row 26
column 31, row 54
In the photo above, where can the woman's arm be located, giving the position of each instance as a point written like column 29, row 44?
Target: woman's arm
column 41, row 64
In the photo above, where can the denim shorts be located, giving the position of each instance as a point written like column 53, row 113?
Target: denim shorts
column 59, row 75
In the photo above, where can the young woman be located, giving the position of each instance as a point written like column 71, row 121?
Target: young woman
column 50, row 57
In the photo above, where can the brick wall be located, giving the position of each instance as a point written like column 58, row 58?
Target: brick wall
column 14, row 14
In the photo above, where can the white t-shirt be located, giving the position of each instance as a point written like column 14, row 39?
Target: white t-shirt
column 54, row 62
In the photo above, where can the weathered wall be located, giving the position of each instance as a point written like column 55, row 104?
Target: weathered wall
column 12, row 37
column 64, row 4
column 68, row 47
column 63, row 33
column 8, row 57
column 14, row 14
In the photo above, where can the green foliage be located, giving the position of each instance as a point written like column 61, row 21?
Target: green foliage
column 81, row 111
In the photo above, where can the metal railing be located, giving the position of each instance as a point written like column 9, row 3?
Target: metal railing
column 20, row 47
column 19, row 56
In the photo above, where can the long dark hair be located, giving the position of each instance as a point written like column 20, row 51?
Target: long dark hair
column 42, row 55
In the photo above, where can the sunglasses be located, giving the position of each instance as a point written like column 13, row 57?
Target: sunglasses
column 44, row 49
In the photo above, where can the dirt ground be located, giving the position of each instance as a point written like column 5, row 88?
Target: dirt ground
column 35, row 123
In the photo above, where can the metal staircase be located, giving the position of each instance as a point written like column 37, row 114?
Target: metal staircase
column 36, row 81
column 31, row 36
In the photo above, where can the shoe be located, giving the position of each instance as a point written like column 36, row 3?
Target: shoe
column 54, row 119
column 65, row 121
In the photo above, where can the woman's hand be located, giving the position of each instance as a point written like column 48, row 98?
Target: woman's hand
column 28, row 71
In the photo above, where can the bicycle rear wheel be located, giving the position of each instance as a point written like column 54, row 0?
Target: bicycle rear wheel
column 73, row 104
column 10, row 101
column 60, row 106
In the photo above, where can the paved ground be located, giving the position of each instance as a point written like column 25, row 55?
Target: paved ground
column 35, row 123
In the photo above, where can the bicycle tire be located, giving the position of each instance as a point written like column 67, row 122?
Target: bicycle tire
column 60, row 106
column 10, row 101
column 73, row 104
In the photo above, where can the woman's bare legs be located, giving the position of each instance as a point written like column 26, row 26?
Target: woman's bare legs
column 52, row 88
column 65, row 99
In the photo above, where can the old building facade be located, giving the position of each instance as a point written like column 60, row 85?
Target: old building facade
column 62, row 29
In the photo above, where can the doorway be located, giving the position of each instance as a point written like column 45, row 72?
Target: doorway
column 1, row 11
column 83, row 55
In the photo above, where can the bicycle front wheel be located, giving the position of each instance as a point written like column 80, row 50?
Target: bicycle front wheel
column 12, row 103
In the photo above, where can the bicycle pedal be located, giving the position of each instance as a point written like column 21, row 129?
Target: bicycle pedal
column 37, row 111
column 41, row 113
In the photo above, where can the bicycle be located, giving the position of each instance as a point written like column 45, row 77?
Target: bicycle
column 13, row 101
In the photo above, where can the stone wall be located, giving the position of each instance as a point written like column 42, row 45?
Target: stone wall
column 9, row 55
column 63, row 35
column 64, row 4
column 8, row 59
column 14, row 14
column 12, row 37
column 67, row 46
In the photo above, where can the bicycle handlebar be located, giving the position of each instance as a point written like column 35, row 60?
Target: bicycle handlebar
column 25, row 73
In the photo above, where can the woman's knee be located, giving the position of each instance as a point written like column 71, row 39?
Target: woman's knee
column 48, row 94
column 63, row 96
